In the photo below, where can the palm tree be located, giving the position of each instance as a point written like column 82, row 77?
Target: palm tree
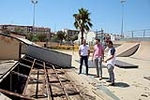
column 82, row 21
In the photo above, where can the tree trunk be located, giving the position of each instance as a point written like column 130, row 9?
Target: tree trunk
column 82, row 32
column 60, row 42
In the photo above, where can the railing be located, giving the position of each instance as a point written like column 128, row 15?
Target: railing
column 138, row 34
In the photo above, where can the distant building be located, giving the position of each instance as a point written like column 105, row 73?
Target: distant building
column 115, row 37
column 25, row 29
column 90, row 37
column 69, row 33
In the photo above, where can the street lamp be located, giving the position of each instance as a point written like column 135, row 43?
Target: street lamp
column 122, row 2
column 34, row 2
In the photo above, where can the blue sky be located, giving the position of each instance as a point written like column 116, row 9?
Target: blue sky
column 57, row 14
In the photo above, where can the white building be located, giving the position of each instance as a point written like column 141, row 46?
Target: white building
column 115, row 37
column 90, row 37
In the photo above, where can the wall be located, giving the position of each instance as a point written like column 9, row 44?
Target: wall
column 90, row 37
column 9, row 48
column 54, row 57
column 19, row 36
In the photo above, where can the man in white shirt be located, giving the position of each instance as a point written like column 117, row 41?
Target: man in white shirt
column 111, row 62
column 84, row 53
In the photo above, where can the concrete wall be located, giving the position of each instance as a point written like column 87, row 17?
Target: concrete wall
column 23, row 48
column 16, row 35
column 9, row 48
column 58, row 58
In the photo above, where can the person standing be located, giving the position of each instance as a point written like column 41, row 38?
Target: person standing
column 84, row 53
column 111, row 62
column 98, row 56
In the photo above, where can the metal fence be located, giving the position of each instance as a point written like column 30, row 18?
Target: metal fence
column 137, row 33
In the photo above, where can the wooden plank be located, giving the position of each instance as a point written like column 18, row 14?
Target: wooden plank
column 15, row 94
column 28, row 77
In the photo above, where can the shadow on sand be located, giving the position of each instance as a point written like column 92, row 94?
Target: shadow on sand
column 90, row 64
column 121, row 84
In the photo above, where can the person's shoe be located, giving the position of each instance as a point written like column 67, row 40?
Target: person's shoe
column 96, row 76
column 112, row 84
column 100, row 78
column 108, row 81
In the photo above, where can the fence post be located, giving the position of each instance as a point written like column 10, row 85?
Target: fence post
column 132, row 34
column 143, row 33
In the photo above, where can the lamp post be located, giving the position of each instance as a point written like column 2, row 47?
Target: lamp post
column 122, row 25
column 34, row 3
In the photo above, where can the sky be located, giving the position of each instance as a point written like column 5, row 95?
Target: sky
column 58, row 14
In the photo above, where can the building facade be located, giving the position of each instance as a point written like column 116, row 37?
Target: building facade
column 70, row 32
column 25, row 29
column 89, row 36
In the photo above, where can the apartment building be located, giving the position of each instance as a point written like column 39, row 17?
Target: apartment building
column 25, row 29
column 70, row 32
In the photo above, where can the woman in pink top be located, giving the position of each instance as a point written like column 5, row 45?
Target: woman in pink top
column 98, row 56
